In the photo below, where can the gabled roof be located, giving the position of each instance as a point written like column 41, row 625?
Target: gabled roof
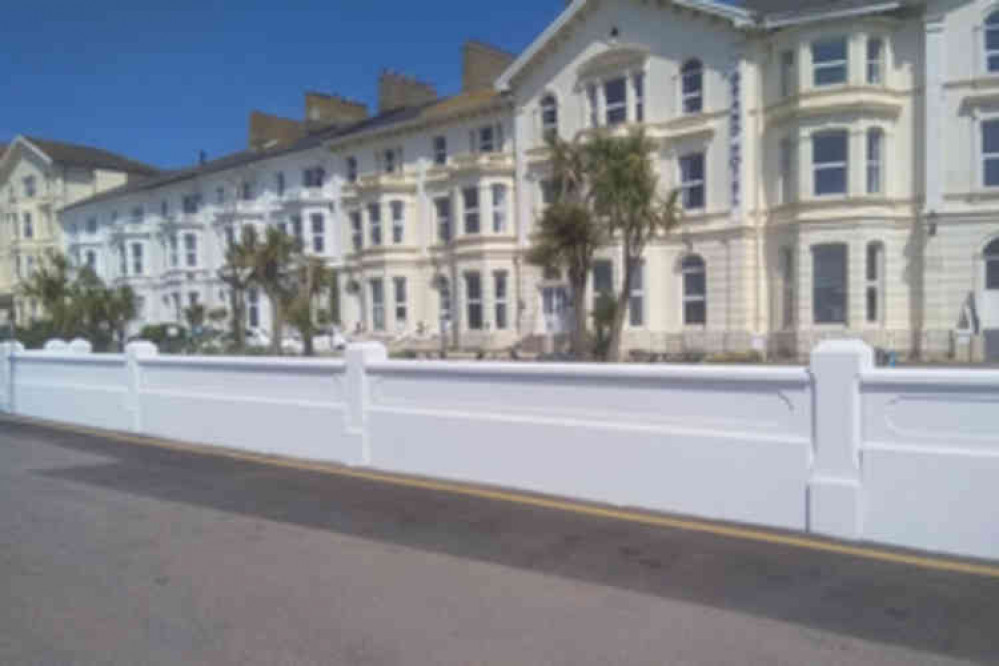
column 778, row 13
column 74, row 154
column 738, row 16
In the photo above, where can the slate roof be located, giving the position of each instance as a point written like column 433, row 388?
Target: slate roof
column 74, row 154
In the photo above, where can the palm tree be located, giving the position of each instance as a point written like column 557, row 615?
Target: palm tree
column 625, row 194
column 272, row 261
column 309, row 277
column 237, row 275
column 52, row 286
column 568, row 233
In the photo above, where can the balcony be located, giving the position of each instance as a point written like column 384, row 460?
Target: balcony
column 864, row 100
column 496, row 163
column 304, row 196
column 399, row 182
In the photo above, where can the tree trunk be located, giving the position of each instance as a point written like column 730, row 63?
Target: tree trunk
column 238, row 319
column 614, row 347
column 277, row 323
column 308, row 348
column 579, row 325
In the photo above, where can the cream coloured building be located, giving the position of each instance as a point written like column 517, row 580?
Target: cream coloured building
column 839, row 163
column 37, row 178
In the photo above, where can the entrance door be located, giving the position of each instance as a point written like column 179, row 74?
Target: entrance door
column 555, row 302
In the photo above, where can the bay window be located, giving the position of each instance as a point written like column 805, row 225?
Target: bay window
column 499, row 208
column 829, row 61
column 470, row 200
column 829, row 283
column 829, row 162
column 473, row 300
column 875, row 158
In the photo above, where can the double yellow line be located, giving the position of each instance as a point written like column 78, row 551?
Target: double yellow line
column 523, row 499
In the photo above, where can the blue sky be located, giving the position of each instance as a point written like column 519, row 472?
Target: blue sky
column 159, row 81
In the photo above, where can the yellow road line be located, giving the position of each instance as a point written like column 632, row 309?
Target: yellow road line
column 512, row 497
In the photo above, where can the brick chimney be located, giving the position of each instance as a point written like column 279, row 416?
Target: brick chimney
column 397, row 91
column 269, row 131
column 323, row 110
column 482, row 64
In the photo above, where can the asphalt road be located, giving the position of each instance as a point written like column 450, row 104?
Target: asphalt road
column 114, row 553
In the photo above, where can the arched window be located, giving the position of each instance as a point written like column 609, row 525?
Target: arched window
column 875, row 272
column 549, row 117
column 992, row 42
column 692, row 86
column 695, row 291
column 992, row 265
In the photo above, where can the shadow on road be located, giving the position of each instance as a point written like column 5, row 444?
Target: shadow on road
column 939, row 612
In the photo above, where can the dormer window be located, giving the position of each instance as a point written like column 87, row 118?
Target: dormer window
column 692, row 76
column 829, row 61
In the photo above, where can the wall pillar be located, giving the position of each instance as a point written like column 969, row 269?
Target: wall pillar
column 358, row 392
column 834, row 487
column 133, row 352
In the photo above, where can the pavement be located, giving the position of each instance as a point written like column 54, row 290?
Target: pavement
column 112, row 552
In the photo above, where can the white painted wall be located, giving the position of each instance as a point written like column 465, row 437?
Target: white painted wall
column 901, row 457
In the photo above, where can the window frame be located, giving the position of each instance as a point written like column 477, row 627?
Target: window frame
column 843, row 165
column 401, row 303
column 990, row 27
column 638, row 86
column 874, row 139
column 397, row 210
column 440, row 150
column 470, row 214
column 616, row 107
column 318, row 232
column 356, row 220
column 985, row 156
column 501, row 295
column 874, row 282
column 685, row 164
column 636, row 296
column 374, row 211
column 138, row 260
column 445, row 223
column 548, row 110
column 190, row 250
column 474, row 315
column 990, row 256
column 377, row 303
column 692, row 266
column 832, row 64
column 843, row 288
column 875, row 65
column 692, row 99
column 500, row 206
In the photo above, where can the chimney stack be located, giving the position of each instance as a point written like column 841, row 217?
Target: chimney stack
column 482, row 64
column 397, row 91
column 269, row 131
column 323, row 110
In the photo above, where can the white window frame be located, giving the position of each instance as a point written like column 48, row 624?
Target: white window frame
column 501, row 295
column 874, row 282
column 445, row 226
column 400, row 299
column 318, row 232
column 376, row 288
column 693, row 265
column 28, row 227
column 692, row 102
column 621, row 106
column 875, row 74
column 875, row 149
column 375, row 224
column 845, row 321
column 356, row 230
column 829, row 166
column 986, row 157
column 548, row 109
column 174, row 243
column 991, row 26
column 473, row 301
column 500, row 201
column 472, row 219
column 398, row 209
column 138, row 263
column 689, row 185
column 191, row 250
column 843, row 63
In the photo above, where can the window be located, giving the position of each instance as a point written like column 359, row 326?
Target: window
column 388, row 160
column 547, row 188
column 29, row 187
column 875, row 150
column 137, row 259
column 375, row 222
column 314, row 178
column 692, row 181
column 692, row 86
column 695, row 291
column 549, row 117
column 591, row 100
column 788, row 184
column 253, row 308
column 603, row 278
column 279, row 183
column 377, row 304
column 164, row 208
column 636, row 299
column 499, row 208
column 440, row 150
column 500, row 295
column 444, row 289
column 470, row 198
column 874, row 274
column 829, row 157
column 829, row 296
column 91, row 259
column 992, row 265
column 443, row 209
column 122, row 261
column 638, row 82
column 992, row 42
column 192, row 298
column 246, row 191
column 29, row 226
column 190, row 203
column 91, row 225
column 473, row 300
column 356, row 230
column 788, row 74
column 398, row 221
column 137, row 214
column 220, row 195
column 787, row 285
column 875, row 60
column 191, row 250
column 990, row 152
column 351, row 169
column 486, row 139
column 174, row 252
column 615, row 102
column 829, row 63
column 399, row 287
column 318, row 232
